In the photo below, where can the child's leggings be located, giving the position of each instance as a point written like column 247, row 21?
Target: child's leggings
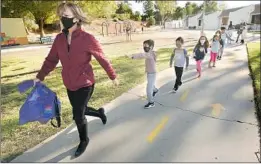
column 199, row 66
column 151, row 80
column 213, row 56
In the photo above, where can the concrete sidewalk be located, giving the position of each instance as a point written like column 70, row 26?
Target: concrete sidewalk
column 211, row 119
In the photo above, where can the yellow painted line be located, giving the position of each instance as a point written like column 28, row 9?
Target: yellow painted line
column 184, row 95
column 216, row 109
column 156, row 131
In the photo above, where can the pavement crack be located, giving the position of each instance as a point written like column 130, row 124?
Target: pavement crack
column 203, row 115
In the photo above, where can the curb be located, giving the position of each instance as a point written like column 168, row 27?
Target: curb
column 23, row 48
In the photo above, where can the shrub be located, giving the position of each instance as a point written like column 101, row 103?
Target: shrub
column 151, row 21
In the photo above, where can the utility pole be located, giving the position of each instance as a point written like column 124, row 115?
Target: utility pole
column 203, row 17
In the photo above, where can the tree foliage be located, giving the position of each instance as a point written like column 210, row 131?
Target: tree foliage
column 136, row 16
column 98, row 9
column 179, row 13
column 166, row 9
column 124, row 8
column 211, row 6
column 41, row 10
column 151, row 21
column 148, row 8
column 188, row 9
column 196, row 8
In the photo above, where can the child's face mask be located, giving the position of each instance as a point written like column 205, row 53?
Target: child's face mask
column 202, row 42
column 146, row 49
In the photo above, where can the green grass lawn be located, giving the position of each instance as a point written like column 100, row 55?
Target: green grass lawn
column 255, row 32
column 16, row 139
column 254, row 65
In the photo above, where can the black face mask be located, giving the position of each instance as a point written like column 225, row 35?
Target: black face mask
column 146, row 49
column 67, row 22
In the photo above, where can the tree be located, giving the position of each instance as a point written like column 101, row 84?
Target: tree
column 166, row 10
column 211, row 6
column 189, row 9
column 157, row 16
column 41, row 10
column 196, row 9
column 98, row 9
column 151, row 21
column 179, row 13
column 148, row 8
column 124, row 8
column 136, row 16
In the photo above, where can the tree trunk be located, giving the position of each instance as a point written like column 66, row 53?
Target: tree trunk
column 40, row 23
column 164, row 24
column 26, row 30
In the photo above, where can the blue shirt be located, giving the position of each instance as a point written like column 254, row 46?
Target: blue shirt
column 215, row 46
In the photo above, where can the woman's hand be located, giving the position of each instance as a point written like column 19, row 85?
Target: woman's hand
column 36, row 81
column 115, row 82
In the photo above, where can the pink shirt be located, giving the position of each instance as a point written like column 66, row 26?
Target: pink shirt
column 150, row 60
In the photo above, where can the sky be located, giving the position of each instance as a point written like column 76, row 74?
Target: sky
column 229, row 4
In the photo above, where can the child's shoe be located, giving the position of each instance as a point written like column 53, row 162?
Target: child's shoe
column 149, row 105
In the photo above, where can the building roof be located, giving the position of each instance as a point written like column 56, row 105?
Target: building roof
column 200, row 17
column 192, row 15
column 257, row 9
column 225, row 13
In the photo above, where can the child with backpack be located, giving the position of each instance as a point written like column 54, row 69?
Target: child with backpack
column 150, row 63
column 200, row 50
column 180, row 57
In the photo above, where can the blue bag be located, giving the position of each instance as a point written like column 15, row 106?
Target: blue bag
column 41, row 105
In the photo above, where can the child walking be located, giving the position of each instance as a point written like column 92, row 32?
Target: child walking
column 150, row 64
column 224, row 37
column 200, row 50
column 180, row 56
column 214, row 50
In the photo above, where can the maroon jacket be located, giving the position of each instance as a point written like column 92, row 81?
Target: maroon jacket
column 77, row 71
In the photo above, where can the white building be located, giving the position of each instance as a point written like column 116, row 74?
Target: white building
column 211, row 21
column 255, row 17
column 174, row 24
column 224, row 16
column 241, row 15
column 191, row 22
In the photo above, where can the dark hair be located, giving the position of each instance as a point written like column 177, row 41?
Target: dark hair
column 223, row 28
column 206, row 44
column 149, row 42
column 215, row 36
column 218, row 32
column 180, row 39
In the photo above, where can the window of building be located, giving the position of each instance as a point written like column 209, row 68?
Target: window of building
column 199, row 22
column 256, row 19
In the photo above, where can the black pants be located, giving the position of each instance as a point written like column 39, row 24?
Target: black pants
column 79, row 100
column 179, row 72
column 238, row 35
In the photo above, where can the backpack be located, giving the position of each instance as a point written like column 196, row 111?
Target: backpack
column 41, row 105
